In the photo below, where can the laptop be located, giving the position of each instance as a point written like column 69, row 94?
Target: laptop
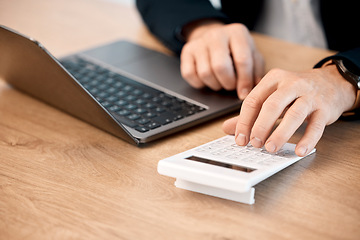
column 132, row 92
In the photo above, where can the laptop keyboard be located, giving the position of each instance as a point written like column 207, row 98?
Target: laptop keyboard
column 136, row 105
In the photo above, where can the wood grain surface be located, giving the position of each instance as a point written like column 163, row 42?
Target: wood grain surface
column 61, row 178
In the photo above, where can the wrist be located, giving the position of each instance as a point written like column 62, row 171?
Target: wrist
column 349, row 91
column 195, row 29
column 348, row 66
column 351, row 77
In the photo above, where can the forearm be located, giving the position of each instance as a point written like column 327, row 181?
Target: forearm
column 165, row 19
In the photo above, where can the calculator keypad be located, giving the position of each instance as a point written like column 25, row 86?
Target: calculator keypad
column 229, row 151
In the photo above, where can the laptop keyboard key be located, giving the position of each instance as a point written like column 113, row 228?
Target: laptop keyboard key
column 165, row 118
column 134, row 104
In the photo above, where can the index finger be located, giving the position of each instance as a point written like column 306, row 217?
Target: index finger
column 243, row 64
column 251, row 107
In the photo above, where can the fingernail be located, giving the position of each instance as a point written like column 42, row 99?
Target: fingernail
column 256, row 142
column 243, row 93
column 241, row 139
column 302, row 150
column 270, row 147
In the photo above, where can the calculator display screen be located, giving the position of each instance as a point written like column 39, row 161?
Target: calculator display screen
column 221, row 164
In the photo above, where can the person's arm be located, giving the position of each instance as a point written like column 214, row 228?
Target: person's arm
column 219, row 55
column 213, row 53
column 320, row 96
column 166, row 19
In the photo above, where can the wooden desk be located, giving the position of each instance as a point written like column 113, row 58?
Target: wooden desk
column 63, row 179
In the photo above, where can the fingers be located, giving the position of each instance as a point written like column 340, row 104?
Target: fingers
column 222, row 66
column 248, row 62
column 251, row 108
column 243, row 63
column 201, row 66
column 313, row 133
column 188, row 70
column 271, row 110
column 241, row 48
column 264, row 106
column 319, row 95
column 292, row 120
column 223, row 57
column 204, row 70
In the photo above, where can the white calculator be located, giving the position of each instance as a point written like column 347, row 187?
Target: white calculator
column 223, row 169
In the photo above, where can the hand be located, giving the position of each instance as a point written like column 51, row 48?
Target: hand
column 318, row 95
column 221, row 56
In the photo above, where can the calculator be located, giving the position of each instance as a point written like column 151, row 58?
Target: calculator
column 223, row 169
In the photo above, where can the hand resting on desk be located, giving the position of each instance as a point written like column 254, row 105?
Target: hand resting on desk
column 219, row 55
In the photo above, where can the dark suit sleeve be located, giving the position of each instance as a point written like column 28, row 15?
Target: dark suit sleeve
column 165, row 18
column 351, row 57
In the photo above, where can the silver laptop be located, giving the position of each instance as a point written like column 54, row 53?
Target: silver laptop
column 132, row 92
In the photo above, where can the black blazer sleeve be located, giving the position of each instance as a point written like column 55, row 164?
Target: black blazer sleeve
column 351, row 57
column 165, row 18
